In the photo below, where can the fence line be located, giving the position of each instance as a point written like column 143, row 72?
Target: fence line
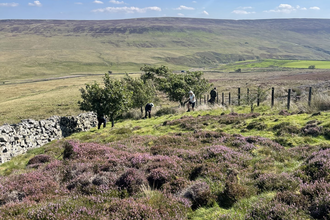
column 226, row 99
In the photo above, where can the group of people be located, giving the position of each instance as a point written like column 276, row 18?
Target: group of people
column 191, row 101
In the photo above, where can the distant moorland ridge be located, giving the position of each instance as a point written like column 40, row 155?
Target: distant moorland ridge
column 54, row 47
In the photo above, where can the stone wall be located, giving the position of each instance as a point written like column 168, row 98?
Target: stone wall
column 18, row 138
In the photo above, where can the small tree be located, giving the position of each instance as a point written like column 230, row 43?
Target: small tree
column 142, row 91
column 111, row 100
column 176, row 86
column 311, row 67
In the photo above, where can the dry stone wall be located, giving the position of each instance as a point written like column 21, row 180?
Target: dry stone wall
column 18, row 138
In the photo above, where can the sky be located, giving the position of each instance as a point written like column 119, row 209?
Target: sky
column 124, row 9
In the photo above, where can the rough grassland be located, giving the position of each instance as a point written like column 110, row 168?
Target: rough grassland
column 207, row 164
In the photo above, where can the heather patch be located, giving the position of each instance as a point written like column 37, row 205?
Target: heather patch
column 277, row 182
column 317, row 166
column 195, row 162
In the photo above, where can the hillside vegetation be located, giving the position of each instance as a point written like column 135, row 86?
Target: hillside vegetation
column 43, row 48
column 211, row 164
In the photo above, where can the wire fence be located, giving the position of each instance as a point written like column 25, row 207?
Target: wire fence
column 256, row 96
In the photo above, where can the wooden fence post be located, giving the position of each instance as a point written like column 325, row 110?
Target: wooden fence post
column 229, row 99
column 223, row 99
column 272, row 97
column 289, row 98
column 239, row 97
column 258, row 99
column 310, row 96
column 217, row 98
column 248, row 95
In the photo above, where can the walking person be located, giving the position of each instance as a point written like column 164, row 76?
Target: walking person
column 148, row 109
column 101, row 120
column 192, row 100
column 213, row 95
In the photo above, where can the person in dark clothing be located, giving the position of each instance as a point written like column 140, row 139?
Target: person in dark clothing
column 213, row 95
column 101, row 119
column 148, row 109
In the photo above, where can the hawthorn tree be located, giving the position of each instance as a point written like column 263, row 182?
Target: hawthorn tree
column 176, row 86
column 142, row 91
column 110, row 100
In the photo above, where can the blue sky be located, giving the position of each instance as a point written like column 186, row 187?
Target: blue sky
column 122, row 9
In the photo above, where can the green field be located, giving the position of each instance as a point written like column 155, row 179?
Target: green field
column 273, row 64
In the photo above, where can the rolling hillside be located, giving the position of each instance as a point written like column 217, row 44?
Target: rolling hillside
column 42, row 48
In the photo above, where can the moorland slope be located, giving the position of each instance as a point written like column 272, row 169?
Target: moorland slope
column 213, row 164
column 43, row 48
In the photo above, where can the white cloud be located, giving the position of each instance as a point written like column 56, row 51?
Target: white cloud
column 287, row 9
column 242, row 12
column 180, row 14
column 127, row 10
column 117, row 2
column 284, row 8
column 182, row 7
column 9, row 4
column 314, row 8
column 205, row 13
column 35, row 3
column 245, row 8
column 97, row 2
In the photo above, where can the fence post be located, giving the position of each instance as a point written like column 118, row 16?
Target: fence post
column 207, row 98
column 239, row 96
column 217, row 98
column 229, row 99
column 258, row 99
column 310, row 96
column 289, row 96
column 272, row 97
column 223, row 99
column 248, row 95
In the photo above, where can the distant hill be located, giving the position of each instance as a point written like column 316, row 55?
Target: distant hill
column 38, row 48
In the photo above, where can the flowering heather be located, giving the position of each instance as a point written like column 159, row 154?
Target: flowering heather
column 320, row 207
column 208, row 170
column 171, row 176
column 315, row 189
column 143, row 208
column 317, row 166
column 138, row 159
column 223, row 153
column 158, row 177
column 273, row 210
column 302, row 152
column 132, row 180
column 280, row 182
column 175, row 185
column 199, row 194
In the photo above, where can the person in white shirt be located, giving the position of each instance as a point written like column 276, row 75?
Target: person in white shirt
column 192, row 100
